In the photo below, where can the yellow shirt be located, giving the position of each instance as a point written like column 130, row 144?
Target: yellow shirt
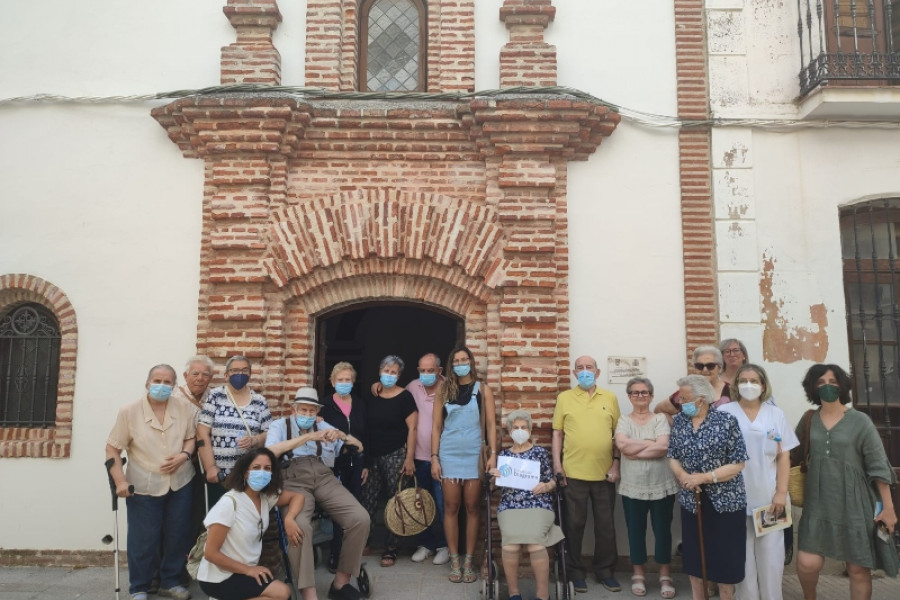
column 589, row 423
column 149, row 442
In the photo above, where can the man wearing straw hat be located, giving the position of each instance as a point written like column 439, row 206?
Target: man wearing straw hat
column 311, row 448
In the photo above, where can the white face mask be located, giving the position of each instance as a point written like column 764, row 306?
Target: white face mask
column 520, row 436
column 750, row 391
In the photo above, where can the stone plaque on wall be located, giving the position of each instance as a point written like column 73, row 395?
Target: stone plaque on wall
column 619, row 369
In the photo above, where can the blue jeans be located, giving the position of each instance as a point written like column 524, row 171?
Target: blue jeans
column 156, row 522
column 433, row 537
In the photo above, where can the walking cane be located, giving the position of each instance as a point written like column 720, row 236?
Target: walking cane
column 697, row 495
column 115, row 507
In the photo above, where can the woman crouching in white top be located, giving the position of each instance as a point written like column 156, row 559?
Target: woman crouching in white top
column 229, row 569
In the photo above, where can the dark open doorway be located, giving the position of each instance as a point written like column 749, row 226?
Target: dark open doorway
column 365, row 333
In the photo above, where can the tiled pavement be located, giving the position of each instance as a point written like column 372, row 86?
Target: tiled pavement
column 404, row 581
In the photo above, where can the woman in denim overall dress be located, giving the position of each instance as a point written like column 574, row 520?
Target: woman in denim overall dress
column 464, row 416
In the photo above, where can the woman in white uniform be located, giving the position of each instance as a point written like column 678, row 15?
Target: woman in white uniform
column 769, row 439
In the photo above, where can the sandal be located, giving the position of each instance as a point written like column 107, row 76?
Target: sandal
column 637, row 585
column 389, row 557
column 666, row 587
column 455, row 571
column 468, row 572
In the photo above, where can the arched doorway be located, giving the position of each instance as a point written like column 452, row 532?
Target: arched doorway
column 363, row 334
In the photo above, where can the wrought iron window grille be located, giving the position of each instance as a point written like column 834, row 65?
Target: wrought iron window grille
column 29, row 366
column 848, row 42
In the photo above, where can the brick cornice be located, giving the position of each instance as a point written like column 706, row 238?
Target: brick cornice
column 274, row 123
column 548, row 126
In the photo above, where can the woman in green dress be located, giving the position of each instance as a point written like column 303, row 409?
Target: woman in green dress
column 848, row 474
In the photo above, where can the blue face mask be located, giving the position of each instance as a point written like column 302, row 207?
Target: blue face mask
column 343, row 388
column 160, row 391
column 462, row 370
column 586, row 379
column 428, row 379
column 238, row 380
column 388, row 381
column 305, row 422
column 258, row 479
column 690, row 409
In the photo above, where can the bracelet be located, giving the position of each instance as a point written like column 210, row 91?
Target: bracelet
column 435, row 454
column 615, row 458
column 715, row 477
column 186, row 453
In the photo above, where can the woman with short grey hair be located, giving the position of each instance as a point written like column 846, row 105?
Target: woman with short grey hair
column 734, row 353
column 526, row 517
column 707, row 454
column 707, row 361
column 391, row 421
column 646, row 485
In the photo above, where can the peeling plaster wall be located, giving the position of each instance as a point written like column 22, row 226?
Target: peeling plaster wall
column 777, row 197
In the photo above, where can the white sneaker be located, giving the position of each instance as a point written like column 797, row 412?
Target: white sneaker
column 442, row 557
column 421, row 554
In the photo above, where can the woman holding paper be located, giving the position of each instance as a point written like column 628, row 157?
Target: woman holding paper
column 768, row 439
column 526, row 516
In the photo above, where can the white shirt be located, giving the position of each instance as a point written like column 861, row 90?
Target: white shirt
column 243, row 542
column 759, row 437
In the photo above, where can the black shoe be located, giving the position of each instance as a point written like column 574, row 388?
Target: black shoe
column 348, row 592
column 610, row 583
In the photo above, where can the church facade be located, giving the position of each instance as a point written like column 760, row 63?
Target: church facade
column 329, row 180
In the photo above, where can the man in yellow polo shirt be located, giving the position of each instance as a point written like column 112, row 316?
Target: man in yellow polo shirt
column 584, row 423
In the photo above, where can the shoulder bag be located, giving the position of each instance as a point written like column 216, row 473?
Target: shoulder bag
column 410, row 511
column 800, row 461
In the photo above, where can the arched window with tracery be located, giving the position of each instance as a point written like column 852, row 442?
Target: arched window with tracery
column 29, row 366
column 392, row 45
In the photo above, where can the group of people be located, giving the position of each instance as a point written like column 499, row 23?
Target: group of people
column 719, row 445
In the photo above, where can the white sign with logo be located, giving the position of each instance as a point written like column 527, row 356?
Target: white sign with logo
column 518, row 473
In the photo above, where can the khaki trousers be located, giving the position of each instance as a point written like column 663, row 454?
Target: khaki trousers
column 307, row 475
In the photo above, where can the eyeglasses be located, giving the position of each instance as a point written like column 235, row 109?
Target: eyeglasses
column 642, row 394
column 260, row 530
column 705, row 366
column 733, row 351
column 204, row 374
column 244, row 371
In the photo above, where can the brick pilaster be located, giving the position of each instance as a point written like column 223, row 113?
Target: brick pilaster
column 527, row 60
column 252, row 58
column 695, row 168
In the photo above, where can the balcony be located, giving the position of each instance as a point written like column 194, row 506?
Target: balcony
column 850, row 64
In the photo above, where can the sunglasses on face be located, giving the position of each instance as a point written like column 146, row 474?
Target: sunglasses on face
column 705, row 366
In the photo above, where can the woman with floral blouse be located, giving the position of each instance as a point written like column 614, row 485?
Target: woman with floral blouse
column 707, row 453
column 526, row 516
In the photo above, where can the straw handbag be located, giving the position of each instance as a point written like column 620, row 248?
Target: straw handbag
column 800, row 462
column 411, row 510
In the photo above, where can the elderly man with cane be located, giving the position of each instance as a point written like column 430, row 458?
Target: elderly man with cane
column 707, row 454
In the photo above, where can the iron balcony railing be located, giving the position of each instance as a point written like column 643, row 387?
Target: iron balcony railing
column 848, row 42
